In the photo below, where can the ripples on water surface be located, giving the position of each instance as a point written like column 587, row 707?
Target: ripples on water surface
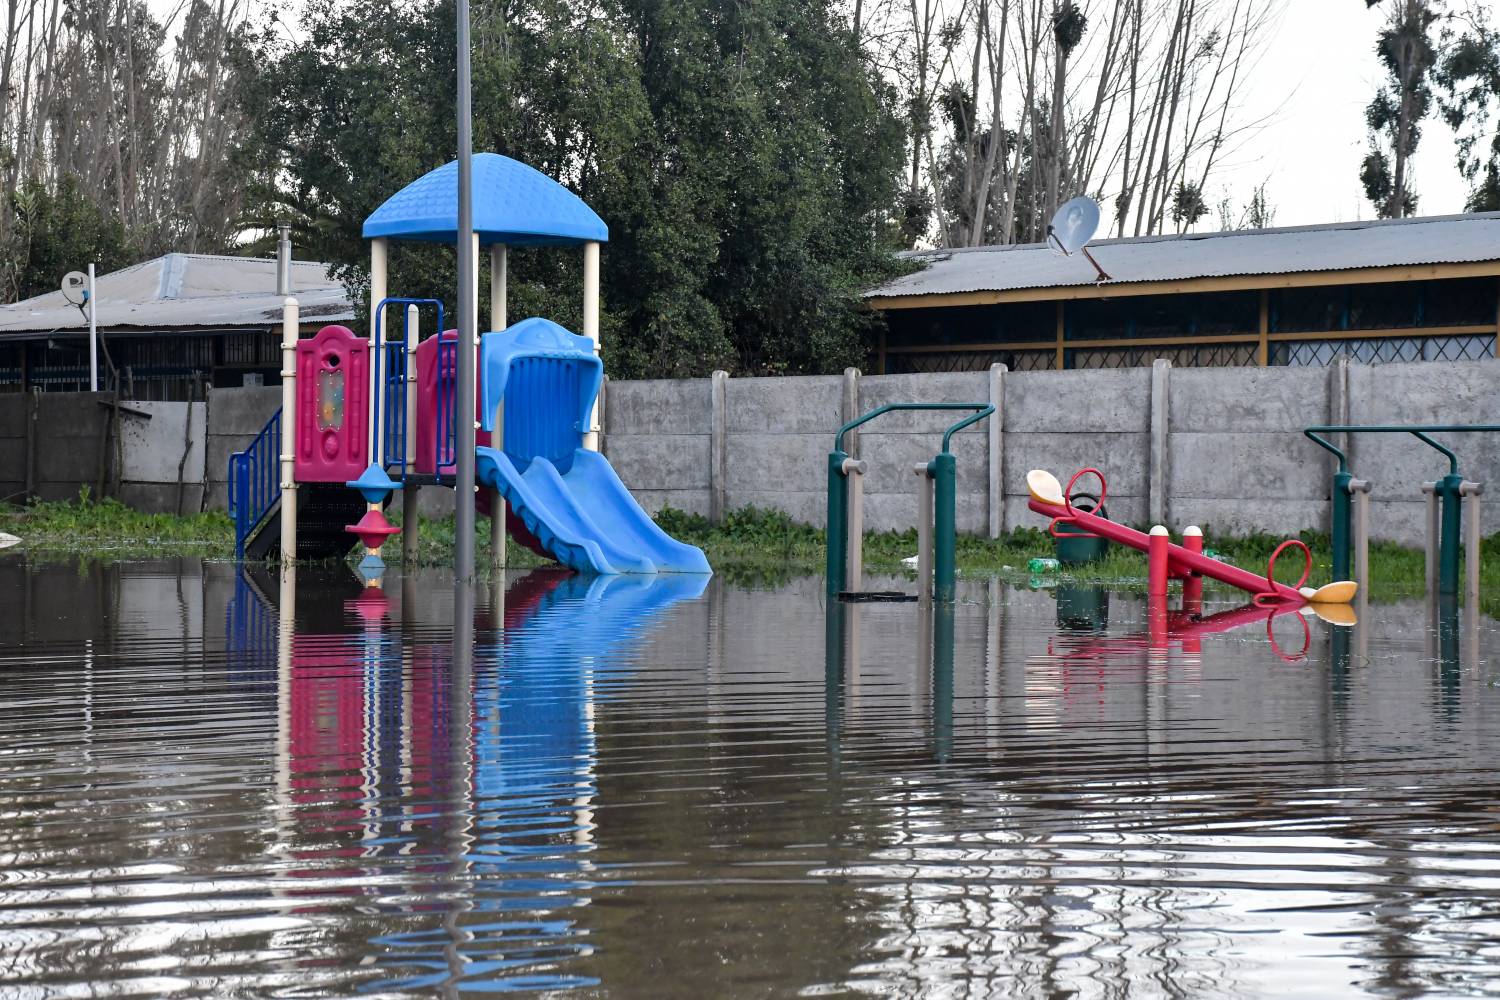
column 681, row 789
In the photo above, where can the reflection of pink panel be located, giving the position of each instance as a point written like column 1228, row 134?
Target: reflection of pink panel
column 333, row 406
column 427, row 401
column 326, row 742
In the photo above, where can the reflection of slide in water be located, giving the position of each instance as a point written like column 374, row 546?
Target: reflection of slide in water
column 519, row 862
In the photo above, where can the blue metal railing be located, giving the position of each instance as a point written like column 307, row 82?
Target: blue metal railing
column 255, row 482
column 391, row 361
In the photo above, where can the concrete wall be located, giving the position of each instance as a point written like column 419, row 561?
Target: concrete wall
column 235, row 416
column 657, row 436
column 1219, row 447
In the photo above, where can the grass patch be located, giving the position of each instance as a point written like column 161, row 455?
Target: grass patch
column 107, row 529
column 752, row 547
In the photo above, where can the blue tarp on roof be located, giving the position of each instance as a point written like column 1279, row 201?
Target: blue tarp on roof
column 513, row 204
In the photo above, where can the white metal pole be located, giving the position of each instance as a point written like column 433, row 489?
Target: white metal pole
column 409, row 490
column 498, row 321
column 378, row 252
column 289, row 332
column 1361, row 491
column 591, row 327
column 1473, row 536
column 93, row 335
column 468, row 322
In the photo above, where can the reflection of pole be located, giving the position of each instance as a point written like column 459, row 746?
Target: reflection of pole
column 286, row 623
column 1446, row 627
column 460, row 768
column 942, row 681
column 833, row 674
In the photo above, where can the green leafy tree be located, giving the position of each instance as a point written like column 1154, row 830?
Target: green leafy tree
column 1408, row 51
column 745, row 157
column 1468, row 78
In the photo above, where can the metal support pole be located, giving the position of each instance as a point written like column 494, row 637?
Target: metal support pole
column 289, row 328
column 1192, row 583
column 944, row 524
column 838, row 508
column 468, row 323
column 498, row 321
column 1473, row 537
column 1429, row 490
column 410, row 492
column 1157, row 558
column 855, row 470
column 283, row 260
column 378, row 258
column 1340, row 519
column 924, row 533
column 1359, row 493
column 1452, row 531
column 591, row 328
column 93, row 334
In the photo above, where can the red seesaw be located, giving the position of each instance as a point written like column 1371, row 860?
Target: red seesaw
column 1049, row 499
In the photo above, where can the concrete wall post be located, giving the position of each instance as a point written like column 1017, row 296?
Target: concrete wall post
column 995, row 493
column 849, row 409
column 718, row 430
column 1157, row 476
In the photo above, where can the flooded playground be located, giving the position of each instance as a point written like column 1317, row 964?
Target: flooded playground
column 684, row 787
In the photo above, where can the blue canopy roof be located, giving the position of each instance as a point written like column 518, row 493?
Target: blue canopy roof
column 513, row 204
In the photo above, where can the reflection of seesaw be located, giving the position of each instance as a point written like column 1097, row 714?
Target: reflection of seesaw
column 1188, row 628
column 1167, row 559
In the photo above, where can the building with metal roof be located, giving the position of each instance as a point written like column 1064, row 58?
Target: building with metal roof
column 168, row 327
column 1390, row 290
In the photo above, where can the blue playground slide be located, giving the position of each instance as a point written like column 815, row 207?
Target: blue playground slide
column 569, row 498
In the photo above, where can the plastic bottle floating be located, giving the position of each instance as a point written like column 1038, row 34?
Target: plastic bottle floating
column 1050, row 499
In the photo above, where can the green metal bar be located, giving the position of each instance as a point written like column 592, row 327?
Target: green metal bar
column 1327, row 445
column 1451, row 523
column 944, row 524
column 1446, row 492
column 838, row 509
column 1452, row 458
column 838, row 440
column 966, row 422
column 1341, row 534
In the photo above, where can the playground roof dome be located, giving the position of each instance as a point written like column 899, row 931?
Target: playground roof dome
column 1383, row 250
column 514, row 204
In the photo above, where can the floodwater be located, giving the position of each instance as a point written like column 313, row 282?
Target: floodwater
column 688, row 788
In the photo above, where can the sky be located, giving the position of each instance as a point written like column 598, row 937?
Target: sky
column 1316, row 74
column 1314, row 80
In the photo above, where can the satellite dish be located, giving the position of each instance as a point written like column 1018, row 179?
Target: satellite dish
column 75, row 287
column 1072, row 227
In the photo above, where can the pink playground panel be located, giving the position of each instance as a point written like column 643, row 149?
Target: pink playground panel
column 333, row 406
column 427, row 401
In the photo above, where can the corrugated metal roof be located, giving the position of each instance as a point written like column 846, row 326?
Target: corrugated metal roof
column 187, row 291
column 1343, row 246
